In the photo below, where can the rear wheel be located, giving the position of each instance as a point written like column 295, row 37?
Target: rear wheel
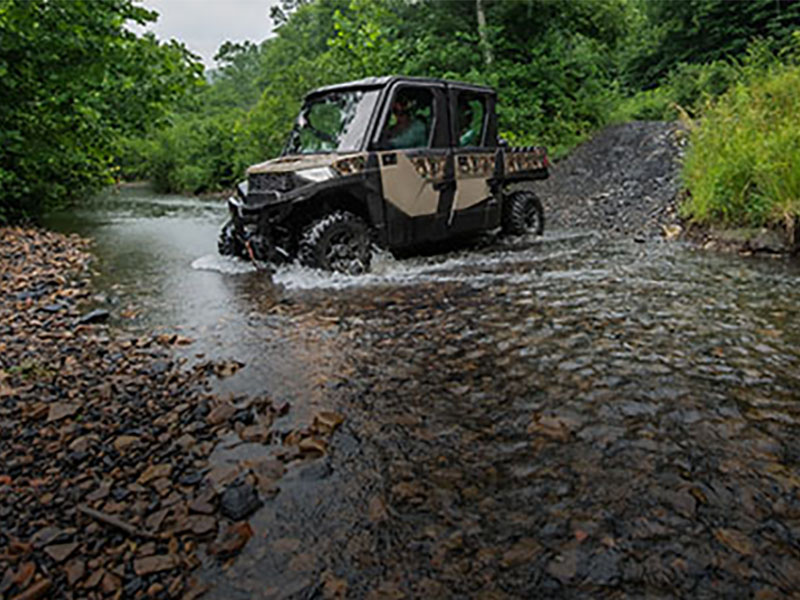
column 339, row 241
column 523, row 213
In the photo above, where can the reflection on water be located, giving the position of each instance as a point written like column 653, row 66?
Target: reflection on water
column 569, row 416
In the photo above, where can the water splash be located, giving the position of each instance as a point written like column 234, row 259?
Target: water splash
column 229, row 265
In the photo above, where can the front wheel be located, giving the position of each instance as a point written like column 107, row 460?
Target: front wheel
column 523, row 213
column 228, row 244
column 339, row 241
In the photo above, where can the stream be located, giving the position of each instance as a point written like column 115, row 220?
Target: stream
column 566, row 416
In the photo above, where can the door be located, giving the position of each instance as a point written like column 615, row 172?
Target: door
column 416, row 164
column 474, row 206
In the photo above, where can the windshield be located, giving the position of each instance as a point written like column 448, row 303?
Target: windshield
column 335, row 122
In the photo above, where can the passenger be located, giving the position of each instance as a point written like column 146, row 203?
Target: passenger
column 468, row 134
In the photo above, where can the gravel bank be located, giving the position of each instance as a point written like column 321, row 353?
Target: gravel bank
column 623, row 181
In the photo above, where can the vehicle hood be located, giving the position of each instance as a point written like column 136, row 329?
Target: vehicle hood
column 289, row 164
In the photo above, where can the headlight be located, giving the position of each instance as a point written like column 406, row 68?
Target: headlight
column 318, row 174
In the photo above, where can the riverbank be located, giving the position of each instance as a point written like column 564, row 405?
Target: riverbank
column 625, row 181
column 106, row 487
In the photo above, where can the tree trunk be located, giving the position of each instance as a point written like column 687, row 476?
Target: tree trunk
column 487, row 48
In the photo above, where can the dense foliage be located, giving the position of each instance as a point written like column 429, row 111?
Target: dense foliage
column 743, row 166
column 73, row 80
column 80, row 95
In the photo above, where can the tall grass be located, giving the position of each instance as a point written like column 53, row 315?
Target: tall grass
column 743, row 163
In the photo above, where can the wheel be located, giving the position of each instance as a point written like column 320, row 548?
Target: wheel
column 228, row 244
column 339, row 241
column 523, row 213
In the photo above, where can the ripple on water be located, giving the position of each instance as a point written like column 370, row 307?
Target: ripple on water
column 223, row 264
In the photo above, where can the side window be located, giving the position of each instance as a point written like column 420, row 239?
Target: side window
column 411, row 119
column 471, row 111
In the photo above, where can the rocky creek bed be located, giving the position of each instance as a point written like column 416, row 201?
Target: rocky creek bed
column 595, row 413
column 105, row 484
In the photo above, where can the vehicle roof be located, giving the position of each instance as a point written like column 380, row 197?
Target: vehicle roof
column 386, row 80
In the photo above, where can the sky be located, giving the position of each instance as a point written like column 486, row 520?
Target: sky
column 203, row 25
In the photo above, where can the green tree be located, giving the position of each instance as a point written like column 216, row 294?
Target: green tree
column 703, row 31
column 73, row 78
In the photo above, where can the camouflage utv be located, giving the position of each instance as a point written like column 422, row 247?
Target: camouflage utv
column 400, row 162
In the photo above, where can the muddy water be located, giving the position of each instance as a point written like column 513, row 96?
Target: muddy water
column 568, row 416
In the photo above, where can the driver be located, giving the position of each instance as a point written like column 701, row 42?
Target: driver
column 408, row 131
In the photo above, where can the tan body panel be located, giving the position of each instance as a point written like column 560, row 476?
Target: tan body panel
column 472, row 174
column 408, row 184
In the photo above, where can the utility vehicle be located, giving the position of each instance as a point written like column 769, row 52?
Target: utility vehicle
column 400, row 162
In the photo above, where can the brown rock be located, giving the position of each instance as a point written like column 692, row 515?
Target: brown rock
column 564, row 566
column 154, row 472
column 186, row 441
column 24, row 574
column 220, row 414
column 523, row 552
column 61, row 552
column 201, row 524
column 110, row 584
column 155, row 564
column 155, row 589
column 155, row 520
column 232, row 540
column 735, row 540
column 123, row 442
column 81, row 444
column 36, row 591
column 75, row 570
column 313, row 446
column 325, row 422
column 377, row 510
column 255, row 433
column 94, row 579
column 100, row 493
column 62, row 410
column 202, row 504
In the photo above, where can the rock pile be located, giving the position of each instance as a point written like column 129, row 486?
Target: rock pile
column 623, row 181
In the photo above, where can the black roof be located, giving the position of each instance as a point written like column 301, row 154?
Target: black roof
column 386, row 80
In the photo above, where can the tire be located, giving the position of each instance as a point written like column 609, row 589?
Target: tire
column 523, row 213
column 228, row 244
column 339, row 241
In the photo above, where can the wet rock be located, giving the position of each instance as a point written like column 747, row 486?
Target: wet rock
column 154, row 472
column 124, row 442
column 232, row 540
column 735, row 540
column 220, row 414
column 61, row 410
column 48, row 535
column 564, row 566
column 239, row 500
column 98, row 315
column 110, row 583
column 155, row 564
column 604, row 568
column 61, row 552
column 523, row 552
column 38, row 590
column 75, row 570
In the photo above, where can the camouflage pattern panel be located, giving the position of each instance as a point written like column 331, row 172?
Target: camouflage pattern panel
column 408, row 180
column 525, row 163
column 473, row 171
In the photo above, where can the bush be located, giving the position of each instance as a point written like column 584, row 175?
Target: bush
column 743, row 163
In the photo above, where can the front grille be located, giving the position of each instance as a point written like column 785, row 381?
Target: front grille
column 271, row 182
